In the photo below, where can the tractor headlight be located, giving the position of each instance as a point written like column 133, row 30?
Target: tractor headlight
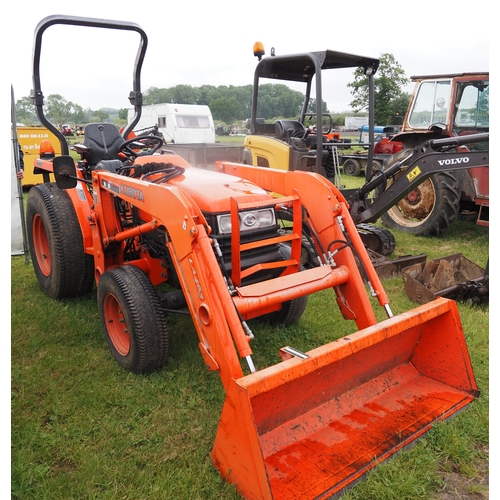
column 252, row 219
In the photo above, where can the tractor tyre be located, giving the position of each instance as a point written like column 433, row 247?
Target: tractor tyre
column 55, row 241
column 352, row 167
column 376, row 165
column 290, row 312
column 429, row 209
column 134, row 324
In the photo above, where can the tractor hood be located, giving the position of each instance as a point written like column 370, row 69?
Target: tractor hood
column 211, row 190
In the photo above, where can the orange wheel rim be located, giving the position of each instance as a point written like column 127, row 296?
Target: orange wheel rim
column 116, row 325
column 41, row 245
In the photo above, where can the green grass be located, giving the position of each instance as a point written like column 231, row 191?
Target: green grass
column 83, row 428
column 237, row 139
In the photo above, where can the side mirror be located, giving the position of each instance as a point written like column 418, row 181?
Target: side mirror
column 65, row 172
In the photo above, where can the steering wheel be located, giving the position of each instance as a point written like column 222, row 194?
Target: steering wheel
column 150, row 142
column 300, row 134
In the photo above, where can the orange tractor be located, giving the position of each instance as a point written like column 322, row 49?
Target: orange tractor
column 157, row 235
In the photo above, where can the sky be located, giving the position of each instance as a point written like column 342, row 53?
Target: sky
column 199, row 42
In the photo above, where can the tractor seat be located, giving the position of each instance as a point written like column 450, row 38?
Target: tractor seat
column 103, row 141
column 289, row 128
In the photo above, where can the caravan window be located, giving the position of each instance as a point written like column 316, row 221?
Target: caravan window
column 162, row 121
column 192, row 121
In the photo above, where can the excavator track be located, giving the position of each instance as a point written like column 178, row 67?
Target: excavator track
column 377, row 238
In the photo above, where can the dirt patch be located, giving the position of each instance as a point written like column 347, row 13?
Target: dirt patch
column 460, row 487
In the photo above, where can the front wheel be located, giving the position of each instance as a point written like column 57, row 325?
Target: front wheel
column 290, row 312
column 134, row 324
column 429, row 209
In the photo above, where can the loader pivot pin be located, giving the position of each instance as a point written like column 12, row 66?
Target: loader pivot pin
column 290, row 352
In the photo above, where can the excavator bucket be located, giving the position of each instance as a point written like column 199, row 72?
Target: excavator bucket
column 453, row 277
column 310, row 426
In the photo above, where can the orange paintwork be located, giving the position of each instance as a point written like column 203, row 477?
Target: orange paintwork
column 306, row 429
column 314, row 423
column 303, row 428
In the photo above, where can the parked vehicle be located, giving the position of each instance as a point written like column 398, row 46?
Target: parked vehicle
column 66, row 130
column 177, row 123
column 289, row 145
column 31, row 139
column 443, row 106
column 188, row 130
column 354, row 163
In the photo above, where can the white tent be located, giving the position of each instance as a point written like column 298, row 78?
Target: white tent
column 18, row 232
column 17, row 240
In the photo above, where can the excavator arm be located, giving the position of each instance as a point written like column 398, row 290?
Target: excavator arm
column 434, row 156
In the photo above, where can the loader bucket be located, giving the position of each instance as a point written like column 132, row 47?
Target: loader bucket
column 308, row 428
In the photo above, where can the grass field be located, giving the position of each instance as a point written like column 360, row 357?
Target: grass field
column 82, row 428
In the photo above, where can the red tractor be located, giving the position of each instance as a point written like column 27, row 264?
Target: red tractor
column 442, row 107
column 66, row 130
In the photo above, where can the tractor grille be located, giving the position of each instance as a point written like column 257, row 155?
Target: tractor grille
column 268, row 253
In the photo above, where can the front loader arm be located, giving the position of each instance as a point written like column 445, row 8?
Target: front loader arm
column 434, row 156
column 215, row 317
column 328, row 212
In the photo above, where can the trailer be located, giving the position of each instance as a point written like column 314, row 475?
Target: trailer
column 355, row 122
column 353, row 163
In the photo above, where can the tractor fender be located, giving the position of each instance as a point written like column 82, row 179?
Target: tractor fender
column 82, row 201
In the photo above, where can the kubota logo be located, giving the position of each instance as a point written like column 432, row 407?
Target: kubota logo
column 454, row 161
column 132, row 192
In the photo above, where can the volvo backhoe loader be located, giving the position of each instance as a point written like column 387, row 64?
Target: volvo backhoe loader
column 157, row 235
column 422, row 166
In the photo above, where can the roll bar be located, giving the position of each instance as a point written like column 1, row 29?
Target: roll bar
column 135, row 96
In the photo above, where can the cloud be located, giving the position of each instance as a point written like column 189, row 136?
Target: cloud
column 199, row 43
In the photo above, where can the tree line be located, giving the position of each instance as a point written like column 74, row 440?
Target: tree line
column 230, row 104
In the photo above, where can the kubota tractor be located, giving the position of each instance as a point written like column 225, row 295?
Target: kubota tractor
column 157, row 236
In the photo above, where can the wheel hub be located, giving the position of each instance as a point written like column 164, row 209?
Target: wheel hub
column 116, row 325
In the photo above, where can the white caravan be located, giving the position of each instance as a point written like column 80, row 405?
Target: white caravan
column 178, row 123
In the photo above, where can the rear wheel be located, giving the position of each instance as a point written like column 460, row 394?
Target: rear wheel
column 376, row 165
column 134, row 324
column 429, row 209
column 55, row 241
column 352, row 167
